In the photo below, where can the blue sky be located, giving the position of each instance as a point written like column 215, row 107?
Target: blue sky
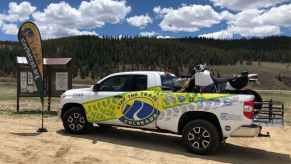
column 220, row 19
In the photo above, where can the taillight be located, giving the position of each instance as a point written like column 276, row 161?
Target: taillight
column 249, row 109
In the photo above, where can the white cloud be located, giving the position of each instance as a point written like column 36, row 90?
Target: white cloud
column 157, row 9
column 140, row 21
column 56, row 31
column 259, row 31
column 224, row 34
column 18, row 12
column 248, row 18
column 104, row 11
column 61, row 19
column 187, row 18
column 10, row 29
column 153, row 34
column 21, row 11
column 255, row 22
column 239, row 5
column 252, row 22
column 148, row 34
column 61, row 14
column 226, row 15
column 164, row 37
column 277, row 16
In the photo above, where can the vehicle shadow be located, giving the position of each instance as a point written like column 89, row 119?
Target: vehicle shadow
column 169, row 143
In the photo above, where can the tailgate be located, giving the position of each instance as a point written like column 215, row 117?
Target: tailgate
column 270, row 115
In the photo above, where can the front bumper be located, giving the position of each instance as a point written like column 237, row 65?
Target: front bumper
column 247, row 131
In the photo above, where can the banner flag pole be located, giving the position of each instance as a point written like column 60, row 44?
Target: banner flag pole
column 30, row 39
column 42, row 129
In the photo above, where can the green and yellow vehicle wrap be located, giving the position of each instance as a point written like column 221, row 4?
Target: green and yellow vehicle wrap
column 143, row 107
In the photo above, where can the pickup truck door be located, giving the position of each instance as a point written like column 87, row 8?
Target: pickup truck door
column 110, row 100
column 102, row 105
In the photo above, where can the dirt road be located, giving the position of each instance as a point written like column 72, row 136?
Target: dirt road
column 20, row 144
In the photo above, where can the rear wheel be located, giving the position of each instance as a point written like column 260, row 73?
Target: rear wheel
column 201, row 137
column 74, row 121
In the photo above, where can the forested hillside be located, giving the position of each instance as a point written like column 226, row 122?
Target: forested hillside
column 95, row 57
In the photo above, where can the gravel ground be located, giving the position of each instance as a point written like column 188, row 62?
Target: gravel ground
column 21, row 144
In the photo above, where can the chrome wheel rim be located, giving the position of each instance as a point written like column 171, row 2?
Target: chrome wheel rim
column 76, row 121
column 199, row 138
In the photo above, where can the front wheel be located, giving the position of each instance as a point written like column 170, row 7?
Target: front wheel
column 74, row 121
column 201, row 137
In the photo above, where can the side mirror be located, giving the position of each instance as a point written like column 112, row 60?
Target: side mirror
column 96, row 87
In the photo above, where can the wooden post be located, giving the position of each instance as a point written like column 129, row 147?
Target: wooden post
column 271, row 110
column 48, row 88
column 18, row 87
column 49, row 103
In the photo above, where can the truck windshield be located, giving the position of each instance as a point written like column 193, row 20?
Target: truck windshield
column 170, row 82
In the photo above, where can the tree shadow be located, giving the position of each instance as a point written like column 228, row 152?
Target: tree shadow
column 169, row 143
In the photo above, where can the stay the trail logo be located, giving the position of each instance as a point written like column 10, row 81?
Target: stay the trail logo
column 139, row 114
column 139, row 110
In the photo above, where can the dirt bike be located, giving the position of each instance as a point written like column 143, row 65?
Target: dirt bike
column 202, row 80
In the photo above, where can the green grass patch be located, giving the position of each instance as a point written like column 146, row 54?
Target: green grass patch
column 8, row 91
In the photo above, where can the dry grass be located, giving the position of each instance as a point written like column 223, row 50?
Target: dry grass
column 268, row 74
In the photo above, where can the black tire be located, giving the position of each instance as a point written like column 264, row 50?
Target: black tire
column 75, row 121
column 201, row 137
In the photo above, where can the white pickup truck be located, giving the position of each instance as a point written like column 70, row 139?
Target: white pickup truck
column 145, row 100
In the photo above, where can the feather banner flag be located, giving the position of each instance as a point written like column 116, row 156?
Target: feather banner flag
column 30, row 39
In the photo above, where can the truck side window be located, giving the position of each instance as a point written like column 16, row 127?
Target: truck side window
column 139, row 83
column 116, row 84
column 169, row 82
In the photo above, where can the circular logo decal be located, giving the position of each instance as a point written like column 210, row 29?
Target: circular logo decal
column 27, row 32
column 137, row 112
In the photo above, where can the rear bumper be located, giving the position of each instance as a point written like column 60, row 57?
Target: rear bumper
column 247, row 131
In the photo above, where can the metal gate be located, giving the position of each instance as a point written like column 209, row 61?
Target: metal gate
column 271, row 114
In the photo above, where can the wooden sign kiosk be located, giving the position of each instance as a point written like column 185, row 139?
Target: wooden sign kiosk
column 57, row 78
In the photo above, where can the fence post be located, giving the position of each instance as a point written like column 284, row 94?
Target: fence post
column 270, row 110
column 18, row 87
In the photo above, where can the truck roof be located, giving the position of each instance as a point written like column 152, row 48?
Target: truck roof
column 140, row 72
column 153, row 75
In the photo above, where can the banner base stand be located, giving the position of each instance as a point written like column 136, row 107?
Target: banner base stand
column 41, row 130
